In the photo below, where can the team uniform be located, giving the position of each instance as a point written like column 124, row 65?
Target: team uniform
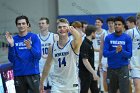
column 46, row 41
column 65, row 73
column 135, row 63
column 96, row 45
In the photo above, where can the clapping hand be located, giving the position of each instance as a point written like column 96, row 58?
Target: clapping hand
column 9, row 39
column 28, row 43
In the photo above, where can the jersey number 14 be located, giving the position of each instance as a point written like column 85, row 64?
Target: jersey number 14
column 62, row 61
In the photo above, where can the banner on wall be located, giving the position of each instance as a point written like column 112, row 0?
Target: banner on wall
column 7, row 78
column 1, row 85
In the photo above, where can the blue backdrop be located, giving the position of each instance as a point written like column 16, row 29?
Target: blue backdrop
column 90, row 19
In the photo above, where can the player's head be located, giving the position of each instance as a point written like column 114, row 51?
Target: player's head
column 130, row 22
column 138, row 19
column 110, row 22
column 62, row 26
column 43, row 24
column 90, row 31
column 119, row 24
column 22, row 23
column 99, row 22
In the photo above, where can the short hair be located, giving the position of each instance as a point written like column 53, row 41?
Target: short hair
column 76, row 24
column 45, row 18
column 98, row 18
column 22, row 17
column 138, row 16
column 119, row 18
column 62, row 20
column 111, row 18
column 83, row 22
column 131, row 19
column 89, row 29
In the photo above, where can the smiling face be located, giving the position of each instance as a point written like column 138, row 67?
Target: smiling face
column 119, row 26
column 62, row 29
column 22, row 25
column 110, row 24
column 98, row 23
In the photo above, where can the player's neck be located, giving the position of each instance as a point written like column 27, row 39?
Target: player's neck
column 99, row 31
column 62, row 42
column 44, row 33
column 23, row 33
column 89, row 38
column 111, row 30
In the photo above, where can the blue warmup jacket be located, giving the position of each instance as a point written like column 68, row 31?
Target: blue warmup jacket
column 25, row 61
column 117, row 60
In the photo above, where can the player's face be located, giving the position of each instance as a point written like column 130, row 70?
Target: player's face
column 119, row 26
column 62, row 28
column 98, row 23
column 43, row 25
column 110, row 24
column 84, row 27
column 138, row 22
column 22, row 25
column 93, row 35
column 129, row 24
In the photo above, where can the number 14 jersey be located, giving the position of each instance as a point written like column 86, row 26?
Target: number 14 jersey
column 65, row 75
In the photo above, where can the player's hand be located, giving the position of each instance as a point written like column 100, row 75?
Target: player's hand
column 95, row 77
column 28, row 43
column 9, row 39
column 41, row 88
column 129, row 66
column 118, row 48
column 71, row 29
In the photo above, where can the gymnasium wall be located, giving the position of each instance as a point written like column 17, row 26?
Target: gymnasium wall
column 89, row 10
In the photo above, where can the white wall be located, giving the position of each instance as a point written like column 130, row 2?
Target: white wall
column 34, row 9
column 87, row 7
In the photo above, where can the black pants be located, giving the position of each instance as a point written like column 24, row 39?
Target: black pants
column 118, row 79
column 27, row 84
column 86, row 82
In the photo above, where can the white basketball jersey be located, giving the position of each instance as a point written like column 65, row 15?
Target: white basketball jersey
column 135, row 59
column 96, row 43
column 104, row 60
column 46, row 41
column 65, row 76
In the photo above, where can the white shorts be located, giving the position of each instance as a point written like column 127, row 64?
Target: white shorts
column 135, row 73
column 65, row 91
column 104, row 66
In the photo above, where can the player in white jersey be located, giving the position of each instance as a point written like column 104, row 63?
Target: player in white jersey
column 46, row 38
column 103, row 60
column 63, row 54
column 96, row 44
column 135, row 60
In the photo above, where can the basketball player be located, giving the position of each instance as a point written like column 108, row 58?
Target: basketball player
column 46, row 38
column 103, row 60
column 135, row 63
column 64, row 55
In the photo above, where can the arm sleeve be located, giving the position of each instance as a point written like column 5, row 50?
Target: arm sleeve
column 106, row 51
column 36, row 47
column 11, row 54
column 128, row 51
column 84, row 52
